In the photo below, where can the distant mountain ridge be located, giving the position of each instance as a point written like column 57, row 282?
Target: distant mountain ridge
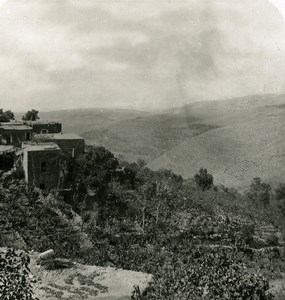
column 82, row 120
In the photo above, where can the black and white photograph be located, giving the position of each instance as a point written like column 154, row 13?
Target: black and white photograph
column 142, row 149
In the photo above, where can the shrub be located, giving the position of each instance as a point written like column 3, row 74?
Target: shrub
column 214, row 274
column 203, row 179
column 18, row 173
column 272, row 240
column 14, row 276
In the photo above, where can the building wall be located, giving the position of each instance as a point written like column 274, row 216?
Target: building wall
column 16, row 137
column 32, row 164
column 50, row 127
column 25, row 165
column 71, row 148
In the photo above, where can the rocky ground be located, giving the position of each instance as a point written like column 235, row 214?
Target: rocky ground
column 84, row 282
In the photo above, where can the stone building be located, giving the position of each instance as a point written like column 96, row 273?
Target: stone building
column 42, row 150
column 15, row 134
column 71, row 145
column 45, row 127
column 41, row 164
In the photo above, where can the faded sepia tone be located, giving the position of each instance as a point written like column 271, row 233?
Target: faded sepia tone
column 138, row 54
column 142, row 149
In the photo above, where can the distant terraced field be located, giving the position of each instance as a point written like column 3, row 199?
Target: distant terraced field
column 248, row 143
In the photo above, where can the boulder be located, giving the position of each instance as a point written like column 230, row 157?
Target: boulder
column 47, row 254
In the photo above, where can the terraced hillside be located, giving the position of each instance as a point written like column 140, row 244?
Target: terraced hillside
column 235, row 139
column 249, row 141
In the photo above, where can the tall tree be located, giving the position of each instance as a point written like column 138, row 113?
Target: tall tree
column 95, row 170
column 157, row 193
column 6, row 116
column 203, row 179
column 31, row 115
column 168, row 186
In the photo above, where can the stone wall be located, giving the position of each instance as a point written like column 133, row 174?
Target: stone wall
column 71, row 147
column 32, row 164
column 52, row 127
column 15, row 137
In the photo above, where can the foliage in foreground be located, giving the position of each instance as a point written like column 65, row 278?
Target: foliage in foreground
column 151, row 221
column 14, row 276
column 215, row 274
column 183, row 268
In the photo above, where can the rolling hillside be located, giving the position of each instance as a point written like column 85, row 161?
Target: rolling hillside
column 248, row 143
column 147, row 137
column 235, row 139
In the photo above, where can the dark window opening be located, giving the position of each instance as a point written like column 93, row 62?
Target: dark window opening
column 28, row 136
column 42, row 186
column 43, row 166
column 44, row 131
column 7, row 161
column 8, row 139
column 72, row 152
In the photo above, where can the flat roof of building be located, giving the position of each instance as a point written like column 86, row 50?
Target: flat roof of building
column 15, row 127
column 40, row 147
column 58, row 136
column 6, row 148
column 28, row 123
column 45, row 122
column 12, row 123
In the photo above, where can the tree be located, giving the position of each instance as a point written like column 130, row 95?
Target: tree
column 6, row 116
column 203, row 179
column 97, row 166
column 95, row 170
column 280, row 192
column 157, row 194
column 141, row 163
column 146, row 194
column 279, row 195
column 168, row 186
column 260, row 191
column 31, row 115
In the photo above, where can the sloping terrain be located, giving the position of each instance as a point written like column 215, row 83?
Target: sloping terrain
column 148, row 137
column 235, row 139
column 249, row 142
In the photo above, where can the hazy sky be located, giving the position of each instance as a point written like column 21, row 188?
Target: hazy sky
column 138, row 54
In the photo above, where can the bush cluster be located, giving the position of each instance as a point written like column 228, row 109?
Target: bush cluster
column 14, row 276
